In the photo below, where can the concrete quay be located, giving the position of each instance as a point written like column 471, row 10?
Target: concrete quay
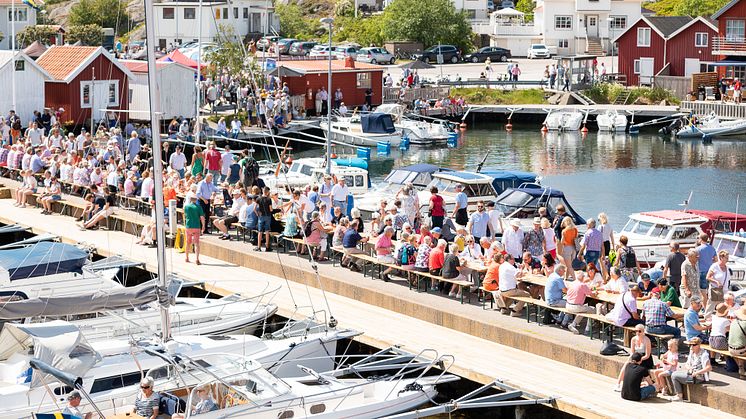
column 541, row 360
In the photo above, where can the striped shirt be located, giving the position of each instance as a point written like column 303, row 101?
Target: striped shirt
column 144, row 406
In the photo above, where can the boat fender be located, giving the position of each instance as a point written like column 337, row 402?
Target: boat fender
column 508, row 126
column 584, row 130
column 544, row 128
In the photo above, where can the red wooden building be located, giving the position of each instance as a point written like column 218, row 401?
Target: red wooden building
column 665, row 45
column 730, row 42
column 306, row 77
column 84, row 79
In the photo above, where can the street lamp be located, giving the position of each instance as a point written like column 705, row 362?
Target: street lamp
column 610, row 20
column 329, row 21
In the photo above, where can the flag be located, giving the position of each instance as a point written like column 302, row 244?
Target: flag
column 35, row 4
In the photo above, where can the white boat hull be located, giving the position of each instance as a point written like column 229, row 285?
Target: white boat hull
column 611, row 122
column 564, row 121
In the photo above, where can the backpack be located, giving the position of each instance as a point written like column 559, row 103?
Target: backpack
column 308, row 228
column 16, row 124
column 405, row 255
column 250, row 171
column 609, row 348
column 627, row 258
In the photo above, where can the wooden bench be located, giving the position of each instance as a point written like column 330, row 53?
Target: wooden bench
column 482, row 294
column 421, row 276
column 723, row 352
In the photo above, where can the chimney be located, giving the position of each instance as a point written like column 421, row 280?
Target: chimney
column 349, row 62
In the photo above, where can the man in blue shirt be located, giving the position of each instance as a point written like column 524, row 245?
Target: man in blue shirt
column 554, row 293
column 350, row 241
column 133, row 146
column 692, row 325
column 205, row 191
column 477, row 225
column 460, row 213
column 37, row 164
column 707, row 256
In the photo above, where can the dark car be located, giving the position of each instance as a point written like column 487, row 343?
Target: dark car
column 495, row 54
column 283, row 45
column 450, row 54
column 301, row 48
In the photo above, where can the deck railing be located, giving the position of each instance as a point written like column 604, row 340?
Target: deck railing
column 722, row 45
column 722, row 110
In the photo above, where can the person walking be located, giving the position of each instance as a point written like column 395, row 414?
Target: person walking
column 206, row 189
column 718, row 278
column 437, row 208
column 194, row 222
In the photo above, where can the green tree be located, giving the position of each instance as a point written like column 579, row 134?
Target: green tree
column 364, row 31
column 293, row 22
column 230, row 53
column 431, row 23
column 86, row 34
column 699, row 7
column 527, row 7
column 29, row 34
column 105, row 13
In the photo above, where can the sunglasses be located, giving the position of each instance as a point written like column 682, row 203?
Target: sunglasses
column 144, row 387
column 639, row 331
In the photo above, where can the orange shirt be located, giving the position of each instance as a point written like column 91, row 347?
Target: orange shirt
column 568, row 236
column 492, row 277
column 168, row 194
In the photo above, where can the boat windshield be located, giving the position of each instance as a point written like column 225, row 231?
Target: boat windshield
column 660, row 231
column 733, row 247
column 642, row 228
column 301, row 168
column 629, row 226
column 517, row 200
column 685, row 233
column 245, row 389
column 445, row 186
column 400, row 177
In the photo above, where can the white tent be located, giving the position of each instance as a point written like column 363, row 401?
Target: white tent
column 508, row 12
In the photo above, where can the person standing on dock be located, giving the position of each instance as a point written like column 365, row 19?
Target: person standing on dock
column 194, row 221
column 460, row 213
column 737, row 91
column 437, row 208
column 206, row 189
column 264, row 212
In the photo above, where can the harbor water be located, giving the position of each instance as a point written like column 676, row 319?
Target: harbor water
column 615, row 173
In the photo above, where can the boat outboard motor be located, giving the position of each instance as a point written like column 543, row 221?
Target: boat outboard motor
column 673, row 127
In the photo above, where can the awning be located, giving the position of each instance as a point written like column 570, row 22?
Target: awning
column 729, row 62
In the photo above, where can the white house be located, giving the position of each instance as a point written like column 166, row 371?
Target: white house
column 24, row 16
column 177, row 86
column 475, row 9
column 567, row 27
column 30, row 79
column 177, row 22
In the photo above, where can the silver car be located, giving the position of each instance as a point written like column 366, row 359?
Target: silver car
column 375, row 55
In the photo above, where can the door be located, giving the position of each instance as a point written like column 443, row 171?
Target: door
column 592, row 28
column 100, row 99
column 691, row 66
column 647, row 70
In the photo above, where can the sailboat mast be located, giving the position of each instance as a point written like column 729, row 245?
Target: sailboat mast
column 13, row 48
column 155, row 107
column 197, row 127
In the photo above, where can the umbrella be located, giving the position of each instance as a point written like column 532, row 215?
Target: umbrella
column 416, row 65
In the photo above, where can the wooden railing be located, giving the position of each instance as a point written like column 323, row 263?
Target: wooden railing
column 728, row 46
column 723, row 110
column 392, row 94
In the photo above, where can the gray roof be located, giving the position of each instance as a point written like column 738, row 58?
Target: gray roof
column 668, row 24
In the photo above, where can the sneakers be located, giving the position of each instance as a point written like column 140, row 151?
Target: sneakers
column 677, row 399
column 354, row 268
column 618, row 387
column 386, row 278
column 571, row 327
column 514, row 313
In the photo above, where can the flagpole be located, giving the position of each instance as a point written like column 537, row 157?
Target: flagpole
column 13, row 48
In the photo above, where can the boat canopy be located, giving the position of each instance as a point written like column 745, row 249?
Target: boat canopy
column 504, row 179
column 524, row 202
column 378, row 123
column 418, row 174
column 40, row 259
column 56, row 343
column 720, row 221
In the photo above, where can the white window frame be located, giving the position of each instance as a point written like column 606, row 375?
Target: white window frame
column 618, row 22
column 173, row 13
column 83, row 103
column 564, row 18
column 701, row 39
column 730, row 26
column 20, row 65
column 563, row 43
column 21, row 15
column 194, row 13
column 643, row 31
column 115, row 102
column 363, row 81
column 636, row 67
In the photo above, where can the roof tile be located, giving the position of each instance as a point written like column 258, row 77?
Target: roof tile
column 61, row 61
column 322, row 66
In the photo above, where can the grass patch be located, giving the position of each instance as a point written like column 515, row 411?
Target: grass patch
column 484, row 96
column 605, row 93
column 242, row 115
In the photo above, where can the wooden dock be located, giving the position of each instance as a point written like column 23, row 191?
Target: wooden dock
column 643, row 111
column 541, row 360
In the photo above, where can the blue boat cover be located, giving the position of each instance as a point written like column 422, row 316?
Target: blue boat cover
column 43, row 258
column 378, row 123
column 504, row 179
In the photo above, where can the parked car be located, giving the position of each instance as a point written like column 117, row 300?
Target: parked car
column 375, row 55
column 450, row 53
column 264, row 42
column 301, row 47
column 319, row 51
column 538, row 51
column 343, row 51
column 494, row 53
column 283, row 45
column 506, row 4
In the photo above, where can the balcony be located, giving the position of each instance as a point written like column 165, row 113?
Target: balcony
column 728, row 46
column 516, row 29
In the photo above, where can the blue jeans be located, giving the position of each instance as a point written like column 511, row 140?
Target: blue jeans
column 215, row 176
column 592, row 256
column 665, row 329
column 647, row 392
column 703, row 284
column 265, row 223
column 181, row 173
column 343, row 205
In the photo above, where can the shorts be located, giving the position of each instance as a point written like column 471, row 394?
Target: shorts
column 229, row 219
column 55, row 197
column 265, row 223
column 386, row 259
column 592, row 256
column 737, row 352
column 108, row 212
column 703, row 284
column 192, row 235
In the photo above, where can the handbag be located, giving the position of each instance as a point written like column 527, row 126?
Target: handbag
column 609, row 348
column 715, row 294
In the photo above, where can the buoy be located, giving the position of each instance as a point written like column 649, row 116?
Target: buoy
column 462, row 125
column 584, row 130
column 508, row 126
column 544, row 128
column 289, row 160
column 334, row 155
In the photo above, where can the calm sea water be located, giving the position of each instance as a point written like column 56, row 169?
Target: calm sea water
column 617, row 174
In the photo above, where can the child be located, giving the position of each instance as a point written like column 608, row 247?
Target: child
column 669, row 363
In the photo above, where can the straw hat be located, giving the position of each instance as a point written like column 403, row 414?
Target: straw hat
column 721, row 310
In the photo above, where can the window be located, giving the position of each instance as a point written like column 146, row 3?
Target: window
column 245, row 12
column 168, row 13
column 162, row 44
column 562, row 22
column 21, row 14
column 189, row 12
column 225, row 13
column 636, row 66
column 235, row 13
column 113, row 93
column 363, row 80
column 643, row 37
column 563, row 43
column 618, row 22
column 735, row 29
column 85, row 95
column 471, row 13
column 701, row 39
column 20, row 65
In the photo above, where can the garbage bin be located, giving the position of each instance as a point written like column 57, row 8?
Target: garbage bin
column 701, row 92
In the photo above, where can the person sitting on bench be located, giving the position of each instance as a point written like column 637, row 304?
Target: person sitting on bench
column 104, row 213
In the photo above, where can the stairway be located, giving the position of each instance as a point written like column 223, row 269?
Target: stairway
column 595, row 47
column 622, row 98
column 582, row 99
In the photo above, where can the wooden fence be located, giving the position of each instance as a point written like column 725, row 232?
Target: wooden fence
column 723, row 110
column 680, row 86
column 391, row 94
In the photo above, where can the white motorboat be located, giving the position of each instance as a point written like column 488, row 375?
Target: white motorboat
column 611, row 121
column 711, row 126
column 365, row 130
column 419, row 175
column 306, row 171
column 564, row 120
column 418, row 132
column 735, row 245
column 650, row 233
column 111, row 369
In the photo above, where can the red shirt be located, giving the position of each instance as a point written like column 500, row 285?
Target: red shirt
column 213, row 158
column 438, row 207
column 436, row 259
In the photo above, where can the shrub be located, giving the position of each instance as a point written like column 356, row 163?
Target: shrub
column 484, row 96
